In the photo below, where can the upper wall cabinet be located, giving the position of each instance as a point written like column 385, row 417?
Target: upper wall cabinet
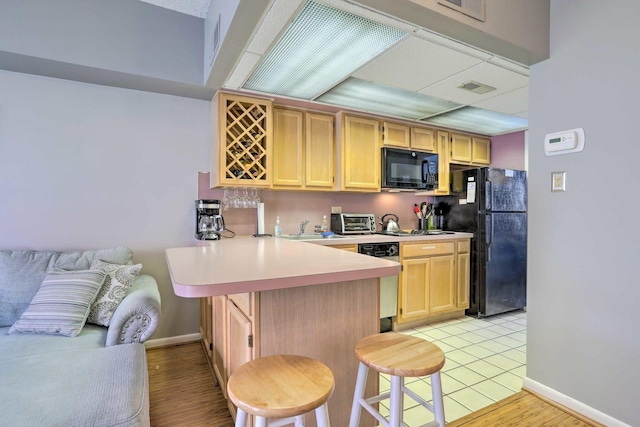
column 303, row 150
column 319, row 151
column 470, row 150
column 359, row 153
column 241, row 135
column 405, row 136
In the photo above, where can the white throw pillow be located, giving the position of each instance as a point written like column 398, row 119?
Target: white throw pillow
column 61, row 305
column 118, row 281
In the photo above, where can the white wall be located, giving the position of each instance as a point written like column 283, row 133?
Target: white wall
column 583, row 283
column 85, row 166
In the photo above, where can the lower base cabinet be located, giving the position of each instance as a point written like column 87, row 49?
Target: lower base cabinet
column 434, row 280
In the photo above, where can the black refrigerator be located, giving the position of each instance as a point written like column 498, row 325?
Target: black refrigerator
column 492, row 204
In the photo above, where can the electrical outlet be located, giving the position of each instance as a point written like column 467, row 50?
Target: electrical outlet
column 336, row 209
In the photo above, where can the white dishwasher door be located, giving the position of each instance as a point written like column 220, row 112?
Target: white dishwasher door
column 389, row 293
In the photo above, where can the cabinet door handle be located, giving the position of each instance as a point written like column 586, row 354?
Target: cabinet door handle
column 428, row 247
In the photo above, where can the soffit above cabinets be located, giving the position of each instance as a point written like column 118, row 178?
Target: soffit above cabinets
column 423, row 63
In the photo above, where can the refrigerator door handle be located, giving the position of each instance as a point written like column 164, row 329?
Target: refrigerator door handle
column 489, row 234
column 488, row 196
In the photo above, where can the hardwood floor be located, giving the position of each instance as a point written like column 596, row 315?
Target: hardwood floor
column 182, row 390
column 182, row 393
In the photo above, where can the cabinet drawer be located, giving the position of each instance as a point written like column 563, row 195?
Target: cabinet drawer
column 426, row 249
column 464, row 247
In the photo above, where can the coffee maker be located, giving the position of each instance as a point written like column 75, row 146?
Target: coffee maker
column 209, row 222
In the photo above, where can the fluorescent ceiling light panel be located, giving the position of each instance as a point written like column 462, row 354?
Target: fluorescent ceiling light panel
column 322, row 46
column 480, row 121
column 378, row 98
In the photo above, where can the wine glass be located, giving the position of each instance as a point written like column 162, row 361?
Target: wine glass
column 245, row 203
column 235, row 199
column 255, row 198
column 225, row 199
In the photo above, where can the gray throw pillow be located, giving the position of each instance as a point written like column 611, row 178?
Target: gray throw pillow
column 61, row 305
column 118, row 281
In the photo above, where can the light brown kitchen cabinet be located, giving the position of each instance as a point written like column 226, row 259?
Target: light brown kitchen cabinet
column 432, row 281
column 396, row 135
column 470, row 150
column 288, row 148
column 241, row 140
column 319, row 151
column 359, row 154
column 219, row 348
column 303, row 150
column 409, row 137
column 423, row 139
column 460, row 148
column 481, row 151
column 463, row 274
column 240, row 344
column 228, row 326
column 413, row 291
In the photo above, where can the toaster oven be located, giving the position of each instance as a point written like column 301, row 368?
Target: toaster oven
column 344, row 223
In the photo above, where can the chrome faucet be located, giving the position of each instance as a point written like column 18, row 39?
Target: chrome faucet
column 303, row 224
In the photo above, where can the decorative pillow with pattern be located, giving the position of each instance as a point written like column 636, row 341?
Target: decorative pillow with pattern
column 115, row 287
column 61, row 305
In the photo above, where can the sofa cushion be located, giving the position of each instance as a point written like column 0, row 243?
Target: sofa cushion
column 22, row 272
column 62, row 304
column 94, row 387
column 116, row 284
column 16, row 345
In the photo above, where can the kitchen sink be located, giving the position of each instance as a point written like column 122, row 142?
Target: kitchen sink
column 311, row 236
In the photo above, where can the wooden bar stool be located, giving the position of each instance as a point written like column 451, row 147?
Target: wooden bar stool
column 283, row 388
column 398, row 356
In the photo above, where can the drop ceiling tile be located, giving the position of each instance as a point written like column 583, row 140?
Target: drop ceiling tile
column 503, row 80
column 414, row 64
column 509, row 103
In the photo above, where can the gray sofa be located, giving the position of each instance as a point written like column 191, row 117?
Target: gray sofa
column 97, row 378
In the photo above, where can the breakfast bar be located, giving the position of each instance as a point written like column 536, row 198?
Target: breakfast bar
column 270, row 296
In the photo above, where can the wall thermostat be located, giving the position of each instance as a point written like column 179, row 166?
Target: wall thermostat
column 569, row 141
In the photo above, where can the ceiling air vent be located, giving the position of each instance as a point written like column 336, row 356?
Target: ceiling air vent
column 472, row 8
column 476, row 87
column 215, row 41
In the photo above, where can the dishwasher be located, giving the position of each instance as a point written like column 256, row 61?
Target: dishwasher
column 388, row 285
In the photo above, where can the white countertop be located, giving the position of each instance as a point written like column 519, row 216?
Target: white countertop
column 238, row 265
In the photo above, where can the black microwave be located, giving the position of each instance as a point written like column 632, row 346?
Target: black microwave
column 409, row 170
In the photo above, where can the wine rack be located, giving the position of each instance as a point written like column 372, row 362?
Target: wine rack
column 244, row 141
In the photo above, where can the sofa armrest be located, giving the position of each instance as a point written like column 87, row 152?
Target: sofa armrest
column 138, row 315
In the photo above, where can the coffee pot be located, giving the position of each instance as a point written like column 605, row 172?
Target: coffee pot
column 209, row 222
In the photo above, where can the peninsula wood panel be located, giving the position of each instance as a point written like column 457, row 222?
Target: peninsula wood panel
column 324, row 322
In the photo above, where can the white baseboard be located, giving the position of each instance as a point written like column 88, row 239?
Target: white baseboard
column 165, row 342
column 571, row 403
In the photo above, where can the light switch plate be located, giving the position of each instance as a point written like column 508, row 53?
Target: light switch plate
column 558, row 181
column 336, row 209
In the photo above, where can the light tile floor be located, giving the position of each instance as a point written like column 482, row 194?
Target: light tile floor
column 485, row 362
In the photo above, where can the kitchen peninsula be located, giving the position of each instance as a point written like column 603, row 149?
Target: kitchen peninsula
column 274, row 296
